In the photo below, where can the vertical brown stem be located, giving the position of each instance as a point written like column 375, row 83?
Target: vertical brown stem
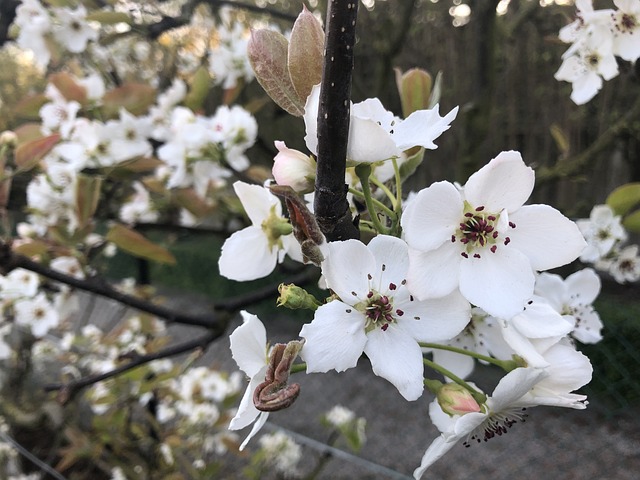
column 330, row 205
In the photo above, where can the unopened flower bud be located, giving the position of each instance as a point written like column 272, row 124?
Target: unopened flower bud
column 293, row 168
column 294, row 297
column 454, row 399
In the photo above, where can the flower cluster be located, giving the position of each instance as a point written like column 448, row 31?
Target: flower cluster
column 40, row 26
column 606, row 245
column 597, row 37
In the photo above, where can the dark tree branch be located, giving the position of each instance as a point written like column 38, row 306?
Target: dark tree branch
column 10, row 260
column 68, row 390
column 216, row 321
column 330, row 204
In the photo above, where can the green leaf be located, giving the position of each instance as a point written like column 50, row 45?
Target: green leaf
column 624, row 198
column 136, row 244
column 305, row 53
column 136, row 98
column 199, row 89
column 268, row 52
column 632, row 222
column 30, row 153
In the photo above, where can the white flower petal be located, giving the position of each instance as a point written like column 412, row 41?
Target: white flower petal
column 545, row 236
column 246, row 255
column 335, row 339
column 249, row 344
column 311, row 119
column 500, row 283
column 540, row 320
column 585, row 285
column 262, row 419
column 523, row 346
column 569, row 369
column 552, row 288
column 432, row 216
column 440, row 319
column 513, row 386
column 435, row 273
column 422, row 127
column 369, row 142
column 397, row 357
column 257, row 201
column 504, row 183
column 346, row 269
column 247, row 412
column 392, row 262
column 436, row 450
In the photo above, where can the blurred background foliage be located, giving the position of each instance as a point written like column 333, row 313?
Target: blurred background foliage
column 497, row 58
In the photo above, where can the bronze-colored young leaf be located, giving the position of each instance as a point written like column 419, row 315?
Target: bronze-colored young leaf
column 414, row 87
column 87, row 196
column 68, row 87
column 268, row 51
column 28, row 131
column 136, row 98
column 136, row 244
column 30, row 153
column 29, row 107
column 306, row 48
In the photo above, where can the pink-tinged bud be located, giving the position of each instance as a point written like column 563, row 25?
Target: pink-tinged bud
column 293, row 168
column 454, row 399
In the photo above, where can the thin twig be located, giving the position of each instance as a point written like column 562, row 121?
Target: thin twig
column 217, row 320
column 10, row 260
column 31, row 457
column 68, row 390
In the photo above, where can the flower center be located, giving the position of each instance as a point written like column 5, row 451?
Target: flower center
column 496, row 424
column 625, row 23
column 478, row 231
column 379, row 311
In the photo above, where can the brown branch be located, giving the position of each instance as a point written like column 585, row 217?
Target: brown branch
column 10, row 260
column 216, row 321
column 330, row 203
column 68, row 390
column 585, row 159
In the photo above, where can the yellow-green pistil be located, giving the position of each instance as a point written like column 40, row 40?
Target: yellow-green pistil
column 274, row 227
